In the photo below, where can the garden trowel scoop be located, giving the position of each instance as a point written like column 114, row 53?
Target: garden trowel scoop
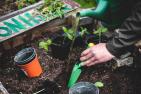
column 77, row 69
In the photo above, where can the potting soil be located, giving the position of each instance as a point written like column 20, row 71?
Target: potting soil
column 124, row 80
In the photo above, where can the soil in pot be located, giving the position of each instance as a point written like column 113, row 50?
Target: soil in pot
column 60, row 47
column 91, row 39
column 79, row 42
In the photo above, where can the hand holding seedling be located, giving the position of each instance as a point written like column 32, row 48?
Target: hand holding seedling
column 95, row 55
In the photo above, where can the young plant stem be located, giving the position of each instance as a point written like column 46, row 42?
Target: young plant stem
column 100, row 33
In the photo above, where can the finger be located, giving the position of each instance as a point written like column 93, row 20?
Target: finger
column 85, row 52
column 86, row 57
column 94, row 63
column 89, row 61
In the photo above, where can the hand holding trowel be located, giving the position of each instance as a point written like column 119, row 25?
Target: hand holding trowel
column 76, row 71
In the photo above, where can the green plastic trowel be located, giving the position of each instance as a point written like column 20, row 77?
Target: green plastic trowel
column 77, row 69
column 75, row 74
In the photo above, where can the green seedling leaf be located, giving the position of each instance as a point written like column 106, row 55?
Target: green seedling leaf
column 45, row 44
column 49, row 42
column 100, row 30
column 83, row 31
column 99, row 84
column 64, row 29
column 69, row 33
column 69, row 36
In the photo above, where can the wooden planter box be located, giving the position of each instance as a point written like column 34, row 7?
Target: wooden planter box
column 25, row 25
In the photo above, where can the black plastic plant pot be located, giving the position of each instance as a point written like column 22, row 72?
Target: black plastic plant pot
column 60, row 47
column 79, row 41
column 91, row 39
column 84, row 88
column 25, row 56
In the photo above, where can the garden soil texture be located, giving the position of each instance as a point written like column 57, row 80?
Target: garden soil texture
column 54, row 79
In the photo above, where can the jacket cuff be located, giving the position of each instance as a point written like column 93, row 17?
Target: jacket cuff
column 113, row 50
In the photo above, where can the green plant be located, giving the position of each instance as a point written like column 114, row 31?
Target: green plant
column 86, row 3
column 99, row 84
column 69, row 33
column 52, row 8
column 45, row 44
column 100, row 31
column 23, row 3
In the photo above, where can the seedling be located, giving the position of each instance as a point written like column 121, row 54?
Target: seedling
column 99, row 84
column 69, row 33
column 100, row 31
column 45, row 44
column 52, row 9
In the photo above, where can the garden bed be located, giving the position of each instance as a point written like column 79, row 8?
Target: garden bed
column 53, row 80
column 55, row 76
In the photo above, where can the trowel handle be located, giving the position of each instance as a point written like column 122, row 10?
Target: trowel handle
column 91, row 45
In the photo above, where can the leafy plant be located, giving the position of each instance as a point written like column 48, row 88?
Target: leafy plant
column 45, row 44
column 100, row 31
column 23, row 3
column 83, row 31
column 71, row 34
column 99, row 84
column 52, row 8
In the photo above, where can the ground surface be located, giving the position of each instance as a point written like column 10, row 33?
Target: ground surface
column 8, row 6
column 125, row 80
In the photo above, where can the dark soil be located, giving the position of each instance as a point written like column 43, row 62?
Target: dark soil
column 124, row 80
column 8, row 6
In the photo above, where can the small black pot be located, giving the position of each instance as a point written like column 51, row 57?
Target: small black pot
column 79, row 41
column 60, row 47
column 91, row 39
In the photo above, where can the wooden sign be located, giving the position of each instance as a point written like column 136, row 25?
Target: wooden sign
column 18, row 24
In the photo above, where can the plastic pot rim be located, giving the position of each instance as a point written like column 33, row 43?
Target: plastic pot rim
column 23, row 51
column 97, row 89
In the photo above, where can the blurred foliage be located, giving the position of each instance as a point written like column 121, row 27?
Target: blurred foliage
column 52, row 8
column 23, row 3
column 86, row 3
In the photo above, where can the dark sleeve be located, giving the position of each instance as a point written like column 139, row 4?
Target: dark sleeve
column 128, row 34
